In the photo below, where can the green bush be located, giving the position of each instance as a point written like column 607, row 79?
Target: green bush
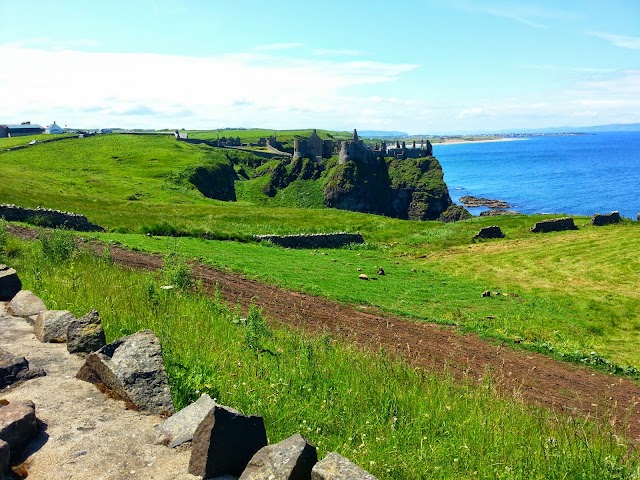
column 57, row 245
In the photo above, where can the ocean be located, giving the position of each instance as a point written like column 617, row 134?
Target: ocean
column 572, row 174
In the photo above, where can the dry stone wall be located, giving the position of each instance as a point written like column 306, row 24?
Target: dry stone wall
column 49, row 218
column 316, row 240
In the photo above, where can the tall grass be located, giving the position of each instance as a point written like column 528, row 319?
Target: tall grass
column 395, row 421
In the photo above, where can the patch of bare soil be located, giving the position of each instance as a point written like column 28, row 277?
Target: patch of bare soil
column 531, row 377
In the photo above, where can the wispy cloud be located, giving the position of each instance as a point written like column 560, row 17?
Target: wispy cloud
column 337, row 52
column 618, row 40
column 563, row 68
column 531, row 15
column 278, row 46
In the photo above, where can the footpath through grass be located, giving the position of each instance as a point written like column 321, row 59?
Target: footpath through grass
column 395, row 421
column 567, row 294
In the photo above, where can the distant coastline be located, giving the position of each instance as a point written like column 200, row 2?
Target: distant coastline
column 459, row 141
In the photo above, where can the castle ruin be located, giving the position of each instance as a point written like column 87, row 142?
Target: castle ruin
column 312, row 147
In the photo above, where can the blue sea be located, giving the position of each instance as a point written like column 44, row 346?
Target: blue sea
column 572, row 174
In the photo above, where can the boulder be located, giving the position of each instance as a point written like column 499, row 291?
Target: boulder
column 14, row 369
column 180, row 427
column 363, row 276
column 290, row 459
column 224, row 442
column 25, row 304
column 493, row 231
column 131, row 369
column 51, row 325
column 85, row 335
column 9, row 283
column 337, row 467
column 554, row 225
column 18, row 425
column 5, row 455
column 599, row 220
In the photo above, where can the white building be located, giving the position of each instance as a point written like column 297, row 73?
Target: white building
column 54, row 129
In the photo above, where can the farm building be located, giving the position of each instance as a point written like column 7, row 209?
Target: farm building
column 21, row 130
column 54, row 129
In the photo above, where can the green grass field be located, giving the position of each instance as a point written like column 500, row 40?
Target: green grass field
column 396, row 422
column 9, row 142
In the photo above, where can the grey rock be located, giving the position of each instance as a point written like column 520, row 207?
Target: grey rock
column 51, row 325
column 132, row 370
column 493, row 231
column 224, row 442
column 24, row 304
column 10, row 284
column 337, row 467
column 599, row 220
column 554, row 225
column 5, row 455
column 290, row 459
column 180, row 428
column 18, row 425
column 86, row 335
column 14, row 369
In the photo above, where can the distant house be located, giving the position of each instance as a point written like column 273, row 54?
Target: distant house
column 181, row 135
column 54, row 129
column 25, row 128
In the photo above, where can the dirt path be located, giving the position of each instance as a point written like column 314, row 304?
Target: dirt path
column 531, row 377
column 86, row 435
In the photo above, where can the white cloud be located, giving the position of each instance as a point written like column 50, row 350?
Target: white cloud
column 337, row 52
column 622, row 41
column 151, row 90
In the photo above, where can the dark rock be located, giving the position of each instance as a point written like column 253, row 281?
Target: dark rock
column 454, row 213
column 470, row 201
column 381, row 271
column 337, row 467
column 225, row 441
column 52, row 218
column 18, row 425
column 316, row 240
column 85, row 335
column 486, row 293
column 290, row 459
column 180, row 427
column 9, row 283
column 51, row 325
column 25, row 304
column 554, row 225
column 131, row 369
column 15, row 369
column 490, row 232
column 5, row 455
column 599, row 220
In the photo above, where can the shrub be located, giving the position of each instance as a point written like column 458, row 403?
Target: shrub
column 177, row 272
column 57, row 245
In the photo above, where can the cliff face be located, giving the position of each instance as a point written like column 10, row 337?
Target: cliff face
column 413, row 188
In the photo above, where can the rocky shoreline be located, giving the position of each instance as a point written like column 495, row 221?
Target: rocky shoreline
column 471, row 202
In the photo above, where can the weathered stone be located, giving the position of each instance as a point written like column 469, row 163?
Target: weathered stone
column 18, row 425
column 486, row 293
column 380, row 271
column 86, row 335
column 24, row 304
column 315, row 240
column 51, row 325
column 363, row 276
column 224, row 442
column 493, row 231
column 132, row 370
column 554, row 225
column 290, row 459
column 14, row 369
column 180, row 427
column 599, row 220
column 9, row 283
column 5, row 455
column 471, row 201
column 337, row 467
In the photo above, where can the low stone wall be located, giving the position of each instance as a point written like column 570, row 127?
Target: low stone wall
column 599, row 220
column 554, row 225
column 316, row 240
column 48, row 218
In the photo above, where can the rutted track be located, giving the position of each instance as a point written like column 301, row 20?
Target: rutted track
column 528, row 376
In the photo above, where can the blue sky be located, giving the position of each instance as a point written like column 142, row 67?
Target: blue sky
column 422, row 66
